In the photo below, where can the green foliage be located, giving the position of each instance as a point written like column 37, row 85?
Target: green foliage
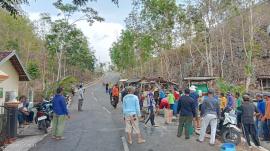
column 225, row 87
column 122, row 52
column 33, row 70
column 66, row 83
column 73, row 44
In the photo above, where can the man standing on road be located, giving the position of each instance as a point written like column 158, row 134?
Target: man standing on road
column 210, row 112
column 266, row 117
column 151, row 107
column 131, row 113
column 81, row 98
column 247, row 110
column 60, row 112
column 115, row 95
column 107, row 87
column 186, row 108
column 171, row 99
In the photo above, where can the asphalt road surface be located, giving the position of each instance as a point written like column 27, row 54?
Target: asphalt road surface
column 99, row 128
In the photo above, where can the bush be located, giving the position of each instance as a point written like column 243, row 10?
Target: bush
column 224, row 87
column 66, row 83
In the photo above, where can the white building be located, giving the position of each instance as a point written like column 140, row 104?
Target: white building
column 11, row 72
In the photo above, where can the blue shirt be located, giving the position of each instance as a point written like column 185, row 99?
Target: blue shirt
column 186, row 106
column 59, row 105
column 230, row 101
column 261, row 107
column 162, row 94
column 195, row 97
column 131, row 105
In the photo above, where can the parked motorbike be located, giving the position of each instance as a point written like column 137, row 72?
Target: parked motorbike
column 44, row 115
column 227, row 128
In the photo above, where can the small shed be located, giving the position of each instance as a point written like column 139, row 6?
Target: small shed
column 200, row 82
column 264, row 81
column 12, row 69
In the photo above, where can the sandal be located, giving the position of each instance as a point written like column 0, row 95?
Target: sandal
column 141, row 141
column 129, row 142
column 60, row 138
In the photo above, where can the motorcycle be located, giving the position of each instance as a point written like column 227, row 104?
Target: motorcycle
column 44, row 115
column 227, row 128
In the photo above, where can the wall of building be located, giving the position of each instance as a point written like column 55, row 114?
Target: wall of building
column 10, row 84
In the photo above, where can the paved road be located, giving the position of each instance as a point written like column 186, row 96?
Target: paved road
column 99, row 128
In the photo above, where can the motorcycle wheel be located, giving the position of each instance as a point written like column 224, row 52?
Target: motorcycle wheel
column 231, row 135
column 44, row 126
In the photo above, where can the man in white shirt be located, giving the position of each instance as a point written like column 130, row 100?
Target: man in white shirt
column 81, row 98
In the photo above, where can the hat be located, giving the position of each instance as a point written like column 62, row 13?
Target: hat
column 192, row 88
column 246, row 97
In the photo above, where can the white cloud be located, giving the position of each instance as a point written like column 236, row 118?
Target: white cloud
column 100, row 35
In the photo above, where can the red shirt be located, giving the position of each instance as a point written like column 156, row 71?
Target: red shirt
column 164, row 104
column 176, row 95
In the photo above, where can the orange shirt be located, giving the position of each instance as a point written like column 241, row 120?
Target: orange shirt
column 267, row 110
column 115, row 91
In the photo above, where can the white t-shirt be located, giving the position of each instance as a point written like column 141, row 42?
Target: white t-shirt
column 81, row 96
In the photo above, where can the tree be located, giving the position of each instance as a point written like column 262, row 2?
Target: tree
column 33, row 70
column 12, row 5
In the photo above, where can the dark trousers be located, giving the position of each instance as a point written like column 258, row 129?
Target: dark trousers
column 250, row 130
column 266, row 133
column 30, row 117
column 184, row 121
column 151, row 116
column 80, row 103
column 115, row 101
column 25, row 118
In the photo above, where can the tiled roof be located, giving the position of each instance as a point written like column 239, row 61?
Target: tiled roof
column 4, row 54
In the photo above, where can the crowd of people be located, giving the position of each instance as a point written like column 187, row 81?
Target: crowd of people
column 196, row 110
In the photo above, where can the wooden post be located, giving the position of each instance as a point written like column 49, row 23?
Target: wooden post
column 261, row 84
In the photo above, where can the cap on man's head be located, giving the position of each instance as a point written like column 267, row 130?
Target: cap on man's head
column 192, row 88
column 187, row 91
column 246, row 97
column 259, row 95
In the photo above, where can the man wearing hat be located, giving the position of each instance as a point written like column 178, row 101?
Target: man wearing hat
column 247, row 110
column 210, row 112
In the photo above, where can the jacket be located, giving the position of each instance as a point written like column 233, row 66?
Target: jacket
column 261, row 107
column 59, row 105
column 131, row 105
column 247, row 111
column 210, row 106
column 186, row 106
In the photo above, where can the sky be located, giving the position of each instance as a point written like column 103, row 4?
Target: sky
column 100, row 35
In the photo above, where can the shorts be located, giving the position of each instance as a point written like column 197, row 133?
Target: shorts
column 132, row 123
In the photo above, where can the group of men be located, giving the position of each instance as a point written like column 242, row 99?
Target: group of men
column 198, row 111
